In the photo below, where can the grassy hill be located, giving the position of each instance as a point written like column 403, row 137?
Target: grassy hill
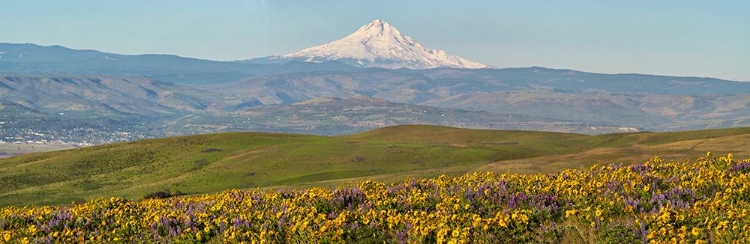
column 214, row 162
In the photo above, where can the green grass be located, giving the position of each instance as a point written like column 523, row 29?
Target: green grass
column 214, row 162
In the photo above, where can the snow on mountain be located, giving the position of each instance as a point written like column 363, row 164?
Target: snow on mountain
column 379, row 44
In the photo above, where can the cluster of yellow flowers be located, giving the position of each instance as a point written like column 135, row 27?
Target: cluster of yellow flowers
column 656, row 201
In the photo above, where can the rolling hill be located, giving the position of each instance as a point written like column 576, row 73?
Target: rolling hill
column 214, row 162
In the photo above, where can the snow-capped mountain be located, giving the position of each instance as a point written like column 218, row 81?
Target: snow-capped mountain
column 379, row 44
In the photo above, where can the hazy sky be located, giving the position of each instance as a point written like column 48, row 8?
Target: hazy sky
column 685, row 38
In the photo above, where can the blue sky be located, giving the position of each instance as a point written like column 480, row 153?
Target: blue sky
column 684, row 38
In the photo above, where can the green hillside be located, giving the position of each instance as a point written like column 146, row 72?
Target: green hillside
column 214, row 162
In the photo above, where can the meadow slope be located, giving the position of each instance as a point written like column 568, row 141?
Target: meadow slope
column 215, row 162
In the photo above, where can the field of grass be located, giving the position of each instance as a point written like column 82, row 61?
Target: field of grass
column 215, row 162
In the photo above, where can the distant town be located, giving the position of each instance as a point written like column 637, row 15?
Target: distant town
column 38, row 132
column 75, row 137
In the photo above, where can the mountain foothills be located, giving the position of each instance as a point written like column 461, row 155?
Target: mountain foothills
column 372, row 78
column 215, row 162
column 635, row 101
column 108, row 95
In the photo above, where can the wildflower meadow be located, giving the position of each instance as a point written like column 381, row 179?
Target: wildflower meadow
column 704, row 200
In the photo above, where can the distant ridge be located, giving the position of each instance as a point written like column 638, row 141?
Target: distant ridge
column 35, row 59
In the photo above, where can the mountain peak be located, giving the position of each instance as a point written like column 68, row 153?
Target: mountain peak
column 379, row 44
column 377, row 22
column 377, row 26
